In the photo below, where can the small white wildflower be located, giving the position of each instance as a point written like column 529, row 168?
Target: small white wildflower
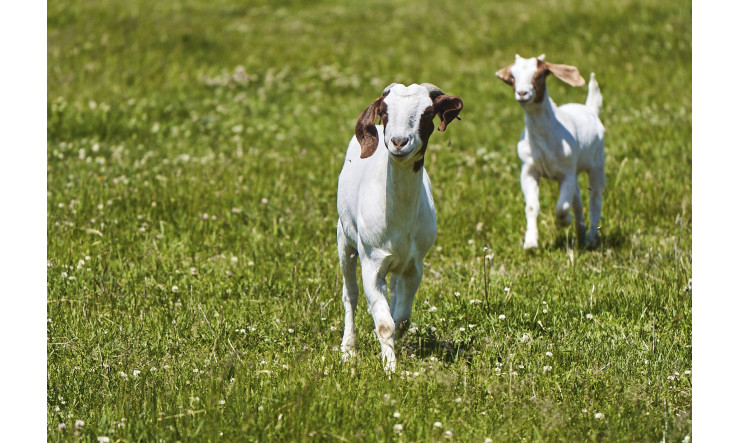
column 195, row 370
column 221, row 402
column 250, row 263
column 462, row 329
column 153, row 369
column 397, row 428
column 123, row 374
column 396, row 414
column 448, row 434
column 458, row 400
column 234, row 259
column 61, row 427
column 333, row 328
column 547, row 368
column 687, row 372
column 501, row 317
column 432, row 309
column 291, row 331
column 549, row 354
column 545, row 311
column 64, row 275
column 589, row 316
column 599, row 416
column 285, row 367
column 264, row 201
column 544, row 302
column 78, row 424
column 438, row 424
column 507, row 289
column 56, row 409
column 103, row 439
column 457, row 294
column 175, row 289
column 136, row 372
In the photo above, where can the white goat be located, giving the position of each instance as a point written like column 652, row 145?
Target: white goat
column 558, row 143
column 385, row 207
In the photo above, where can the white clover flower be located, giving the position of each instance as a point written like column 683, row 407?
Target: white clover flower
column 221, row 402
column 103, row 439
column 547, row 368
column 396, row 414
column 397, row 428
column 448, row 434
column 62, row 427
column 545, row 311
column 462, row 329
column 175, row 289
column 291, row 331
column 153, row 369
column 549, row 354
column 501, row 317
column 599, row 416
column 264, row 201
column 589, row 316
column 437, row 424
column 136, row 372
column 234, row 259
column 123, row 374
column 78, row 424
column 432, row 309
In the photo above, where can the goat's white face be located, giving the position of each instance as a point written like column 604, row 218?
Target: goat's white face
column 407, row 116
column 527, row 76
column 525, row 72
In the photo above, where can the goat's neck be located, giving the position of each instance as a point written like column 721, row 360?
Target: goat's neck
column 540, row 117
column 403, row 189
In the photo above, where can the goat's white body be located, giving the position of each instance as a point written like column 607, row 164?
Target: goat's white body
column 386, row 216
column 559, row 143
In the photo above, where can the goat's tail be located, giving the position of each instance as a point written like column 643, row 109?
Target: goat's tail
column 594, row 97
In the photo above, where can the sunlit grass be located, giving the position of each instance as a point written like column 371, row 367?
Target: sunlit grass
column 193, row 284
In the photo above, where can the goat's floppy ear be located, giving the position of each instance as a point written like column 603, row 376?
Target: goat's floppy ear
column 447, row 107
column 566, row 73
column 366, row 131
column 504, row 75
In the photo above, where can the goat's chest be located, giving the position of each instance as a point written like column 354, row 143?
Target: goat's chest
column 549, row 154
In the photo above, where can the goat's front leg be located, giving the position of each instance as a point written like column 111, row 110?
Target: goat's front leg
column 404, row 288
column 375, row 289
column 529, row 180
column 567, row 189
column 347, row 257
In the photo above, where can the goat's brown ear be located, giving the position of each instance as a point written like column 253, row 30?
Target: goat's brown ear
column 504, row 75
column 447, row 107
column 366, row 131
column 566, row 73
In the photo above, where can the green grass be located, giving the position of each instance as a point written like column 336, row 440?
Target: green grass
column 198, row 144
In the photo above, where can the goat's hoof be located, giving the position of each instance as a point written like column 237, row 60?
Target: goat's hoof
column 563, row 220
column 530, row 245
column 347, row 355
column 591, row 241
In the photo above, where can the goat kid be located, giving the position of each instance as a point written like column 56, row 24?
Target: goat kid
column 558, row 143
column 386, row 216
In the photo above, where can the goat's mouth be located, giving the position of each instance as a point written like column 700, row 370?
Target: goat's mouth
column 524, row 99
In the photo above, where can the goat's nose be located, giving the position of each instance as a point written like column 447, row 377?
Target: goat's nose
column 399, row 142
column 521, row 93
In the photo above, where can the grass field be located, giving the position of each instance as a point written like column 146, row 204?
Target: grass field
column 193, row 150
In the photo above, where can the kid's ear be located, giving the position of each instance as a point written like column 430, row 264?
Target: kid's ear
column 447, row 107
column 566, row 73
column 366, row 131
column 504, row 75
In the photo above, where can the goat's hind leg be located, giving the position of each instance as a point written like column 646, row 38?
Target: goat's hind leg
column 347, row 256
column 579, row 215
column 596, row 186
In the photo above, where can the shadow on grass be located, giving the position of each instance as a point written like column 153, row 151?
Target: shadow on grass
column 427, row 344
column 615, row 239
